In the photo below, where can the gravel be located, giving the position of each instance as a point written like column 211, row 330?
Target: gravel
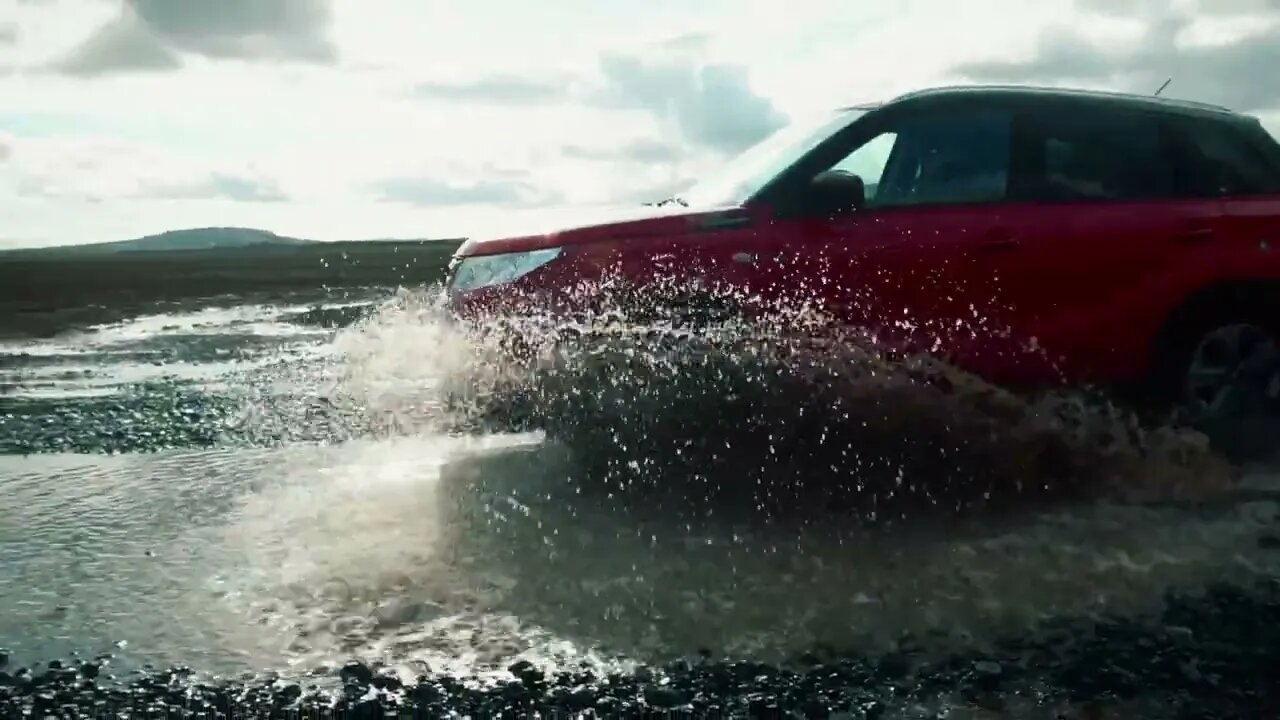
column 1214, row 654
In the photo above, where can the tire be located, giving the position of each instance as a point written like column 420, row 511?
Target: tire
column 1225, row 382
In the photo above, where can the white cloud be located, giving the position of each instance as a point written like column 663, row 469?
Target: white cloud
column 1213, row 51
column 126, row 44
column 495, row 89
column 517, row 190
column 94, row 169
column 700, row 100
column 709, row 104
column 345, row 119
column 219, row 185
column 281, row 29
column 152, row 35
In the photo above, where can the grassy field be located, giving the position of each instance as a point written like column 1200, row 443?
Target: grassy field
column 47, row 293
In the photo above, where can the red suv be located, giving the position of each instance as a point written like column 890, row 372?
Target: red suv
column 1032, row 236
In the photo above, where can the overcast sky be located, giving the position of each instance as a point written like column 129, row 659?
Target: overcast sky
column 346, row 119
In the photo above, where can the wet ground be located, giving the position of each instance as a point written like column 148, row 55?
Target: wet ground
column 179, row 492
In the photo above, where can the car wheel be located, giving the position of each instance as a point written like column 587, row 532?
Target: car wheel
column 1230, row 389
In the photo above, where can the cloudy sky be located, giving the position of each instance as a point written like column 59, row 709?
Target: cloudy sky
column 345, row 119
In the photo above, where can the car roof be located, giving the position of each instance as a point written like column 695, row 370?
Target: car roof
column 1026, row 92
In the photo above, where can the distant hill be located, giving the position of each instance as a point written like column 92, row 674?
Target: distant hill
column 206, row 239
column 195, row 239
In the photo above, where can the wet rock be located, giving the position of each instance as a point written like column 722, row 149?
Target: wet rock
column 356, row 673
column 519, row 667
column 873, row 710
column 987, row 668
column 398, row 612
column 680, row 666
column 43, row 703
column 352, row 692
column 289, row 694
column 894, row 666
column 663, row 698
column 388, row 681
column 810, row 659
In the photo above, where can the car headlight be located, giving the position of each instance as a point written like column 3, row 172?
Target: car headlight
column 473, row 273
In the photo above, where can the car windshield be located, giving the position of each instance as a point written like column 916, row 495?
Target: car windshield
column 746, row 173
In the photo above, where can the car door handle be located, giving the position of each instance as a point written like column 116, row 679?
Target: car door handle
column 998, row 240
column 1196, row 235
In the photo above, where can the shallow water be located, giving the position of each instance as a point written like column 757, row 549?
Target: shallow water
column 467, row 552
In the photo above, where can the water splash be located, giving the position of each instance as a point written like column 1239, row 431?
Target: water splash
column 643, row 393
column 404, row 528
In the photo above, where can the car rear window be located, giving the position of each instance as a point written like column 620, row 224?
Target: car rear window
column 1092, row 156
column 1227, row 159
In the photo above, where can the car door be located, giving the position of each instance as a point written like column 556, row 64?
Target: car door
column 1238, row 163
column 910, row 268
column 1099, row 217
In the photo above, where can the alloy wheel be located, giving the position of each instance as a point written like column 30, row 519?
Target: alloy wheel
column 1234, row 371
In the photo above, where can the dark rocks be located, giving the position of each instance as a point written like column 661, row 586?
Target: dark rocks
column 987, row 676
column 388, row 681
column 520, row 667
column 289, row 694
column 1211, row 655
column 150, row 417
column 987, row 668
column 894, row 666
column 356, row 673
column 663, row 698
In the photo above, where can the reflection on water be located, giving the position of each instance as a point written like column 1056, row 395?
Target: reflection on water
column 200, row 346
column 467, row 554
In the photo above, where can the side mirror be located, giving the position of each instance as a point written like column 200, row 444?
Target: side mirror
column 836, row 192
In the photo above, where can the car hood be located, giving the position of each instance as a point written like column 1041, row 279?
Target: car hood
column 576, row 225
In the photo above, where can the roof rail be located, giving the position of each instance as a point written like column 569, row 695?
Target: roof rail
column 943, row 90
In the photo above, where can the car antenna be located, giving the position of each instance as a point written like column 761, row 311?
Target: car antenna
column 1162, row 87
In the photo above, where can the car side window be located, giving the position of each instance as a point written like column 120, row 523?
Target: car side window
column 869, row 162
column 941, row 158
column 948, row 158
column 1092, row 155
column 1223, row 163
